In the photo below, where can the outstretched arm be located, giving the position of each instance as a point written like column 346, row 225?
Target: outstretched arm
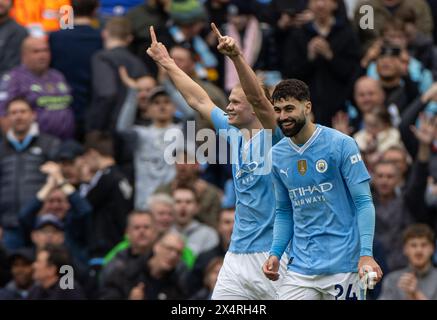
column 248, row 79
column 195, row 96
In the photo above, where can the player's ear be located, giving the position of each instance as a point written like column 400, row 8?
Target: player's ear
column 308, row 108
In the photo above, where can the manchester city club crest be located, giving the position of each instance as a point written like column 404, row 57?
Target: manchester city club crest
column 321, row 166
column 302, row 166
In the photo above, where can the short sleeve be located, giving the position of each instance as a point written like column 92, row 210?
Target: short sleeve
column 219, row 120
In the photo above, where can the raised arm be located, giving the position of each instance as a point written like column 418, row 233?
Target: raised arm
column 248, row 79
column 195, row 96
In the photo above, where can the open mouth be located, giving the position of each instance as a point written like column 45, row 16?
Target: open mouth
column 231, row 116
column 288, row 124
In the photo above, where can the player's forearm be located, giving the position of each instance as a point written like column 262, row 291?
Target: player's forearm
column 195, row 96
column 282, row 229
column 253, row 89
column 362, row 198
column 249, row 81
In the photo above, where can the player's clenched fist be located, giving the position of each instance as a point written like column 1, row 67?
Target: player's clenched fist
column 271, row 268
column 227, row 45
column 157, row 51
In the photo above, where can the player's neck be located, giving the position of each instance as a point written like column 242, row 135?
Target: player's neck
column 251, row 130
column 305, row 134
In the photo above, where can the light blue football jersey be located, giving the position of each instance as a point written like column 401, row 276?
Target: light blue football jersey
column 255, row 198
column 315, row 177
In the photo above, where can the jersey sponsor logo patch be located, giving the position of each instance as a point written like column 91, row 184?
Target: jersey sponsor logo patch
column 356, row 158
column 321, row 166
column 302, row 167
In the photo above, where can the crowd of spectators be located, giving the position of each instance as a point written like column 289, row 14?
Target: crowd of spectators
column 84, row 113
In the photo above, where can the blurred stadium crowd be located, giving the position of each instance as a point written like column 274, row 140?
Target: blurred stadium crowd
column 83, row 181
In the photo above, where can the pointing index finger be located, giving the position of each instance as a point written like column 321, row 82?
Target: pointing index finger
column 216, row 30
column 153, row 35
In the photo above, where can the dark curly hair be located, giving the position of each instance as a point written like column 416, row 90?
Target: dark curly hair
column 291, row 88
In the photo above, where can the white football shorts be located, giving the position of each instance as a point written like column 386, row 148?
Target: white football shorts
column 241, row 278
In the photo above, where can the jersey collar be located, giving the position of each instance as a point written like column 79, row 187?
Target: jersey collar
column 307, row 144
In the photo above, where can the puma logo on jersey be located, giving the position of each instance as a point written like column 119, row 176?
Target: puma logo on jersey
column 284, row 172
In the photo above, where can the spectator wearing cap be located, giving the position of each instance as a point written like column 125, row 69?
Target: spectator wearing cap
column 48, row 230
column 22, row 152
column 47, row 276
column 418, row 281
column 71, row 50
column 21, row 262
column 325, row 54
column 141, row 235
column 150, row 164
column 149, row 13
column 69, row 158
column 60, row 198
column 45, row 88
column 11, row 37
column 107, row 89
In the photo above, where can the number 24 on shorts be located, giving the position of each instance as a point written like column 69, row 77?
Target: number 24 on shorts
column 340, row 289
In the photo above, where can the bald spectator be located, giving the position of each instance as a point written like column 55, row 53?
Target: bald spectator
column 11, row 37
column 384, row 10
column 141, row 234
column 45, row 89
column 368, row 95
